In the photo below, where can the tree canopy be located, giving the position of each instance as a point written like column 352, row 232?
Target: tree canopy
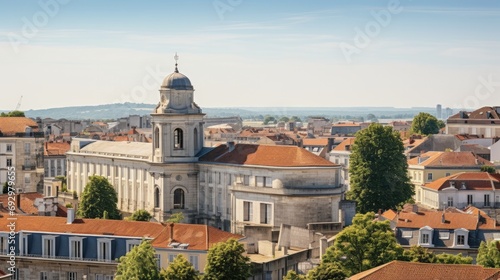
column 452, row 259
column 179, row 269
column 363, row 245
column 424, row 123
column 489, row 255
column 488, row 168
column 97, row 197
column 175, row 218
column 378, row 170
column 138, row 264
column 140, row 215
column 14, row 113
column 326, row 271
column 225, row 261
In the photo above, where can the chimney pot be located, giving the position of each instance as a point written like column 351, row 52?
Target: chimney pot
column 70, row 215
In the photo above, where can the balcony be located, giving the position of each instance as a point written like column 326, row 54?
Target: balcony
column 66, row 258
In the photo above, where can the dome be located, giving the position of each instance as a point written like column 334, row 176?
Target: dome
column 178, row 81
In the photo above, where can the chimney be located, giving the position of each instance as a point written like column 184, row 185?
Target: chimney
column 18, row 201
column 443, row 220
column 70, row 216
column 171, row 239
column 414, row 208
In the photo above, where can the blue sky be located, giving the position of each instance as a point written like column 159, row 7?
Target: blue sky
column 241, row 53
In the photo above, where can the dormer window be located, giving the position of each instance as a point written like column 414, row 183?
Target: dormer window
column 461, row 238
column 425, row 237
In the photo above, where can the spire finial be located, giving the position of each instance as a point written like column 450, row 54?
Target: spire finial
column 176, row 57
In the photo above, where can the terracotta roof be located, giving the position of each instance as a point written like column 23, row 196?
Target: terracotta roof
column 453, row 220
column 267, row 155
column 438, row 159
column 467, row 181
column 390, row 214
column 343, row 144
column 462, row 137
column 479, row 114
column 315, row 141
column 199, row 237
column 397, row 270
column 9, row 125
column 120, row 138
column 346, row 124
column 26, row 203
column 56, row 148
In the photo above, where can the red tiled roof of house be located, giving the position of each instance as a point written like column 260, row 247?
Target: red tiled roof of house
column 199, row 237
column 467, row 180
column 479, row 114
column 390, row 214
column 55, row 148
column 462, row 137
column 315, row 141
column 397, row 270
column 10, row 125
column 346, row 124
column 449, row 159
column 120, row 138
column 343, row 144
column 434, row 219
column 267, row 155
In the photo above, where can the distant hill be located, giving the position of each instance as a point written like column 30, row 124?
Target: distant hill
column 118, row 110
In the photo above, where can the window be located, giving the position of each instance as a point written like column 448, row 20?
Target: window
column 25, row 250
column 72, row 275
column 104, row 249
column 131, row 244
column 171, row 257
column 202, row 177
column 429, row 176
column 444, row 234
column 194, row 261
column 27, row 148
column 247, row 211
column 265, row 213
column 49, row 190
column 158, row 261
column 246, row 180
column 27, row 178
column 195, row 138
column 268, row 182
column 407, row 234
column 178, row 138
column 470, row 199
column 44, row 275
column 425, row 238
column 157, row 197
column 179, row 199
column 450, row 201
column 4, row 248
column 487, row 200
column 76, row 248
column 49, row 246
column 218, row 174
column 9, row 147
column 157, row 138
column 263, row 181
column 9, row 162
column 460, row 239
column 447, row 174
column 210, row 178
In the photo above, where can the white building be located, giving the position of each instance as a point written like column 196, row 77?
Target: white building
column 228, row 186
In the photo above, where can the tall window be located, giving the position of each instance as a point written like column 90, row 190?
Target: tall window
column 76, row 248
column 157, row 138
column 247, row 211
column 470, row 200
column 44, row 275
column 72, row 275
column 27, row 148
column 157, row 197
column 450, row 201
column 3, row 245
column 265, row 213
column 25, row 245
column 178, row 138
column 193, row 259
column 158, row 261
column 48, row 246
column 104, row 249
column 425, row 238
column 460, row 239
column 179, row 199
column 429, row 176
column 9, row 162
column 487, row 200
column 9, row 147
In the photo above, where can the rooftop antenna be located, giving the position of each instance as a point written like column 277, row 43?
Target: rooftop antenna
column 176, row 57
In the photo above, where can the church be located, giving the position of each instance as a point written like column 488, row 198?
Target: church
column 228, row 186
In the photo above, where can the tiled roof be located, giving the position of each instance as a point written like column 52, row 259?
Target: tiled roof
column 315, row 141
column 479, row 114
column 25, row 200
column 266, row 155
column 397, row 270
column 467, row 181
column 199, row 237
column 351, row 124
column 9, row 125
column 55, row 148
column 451, row 159
column 434, row 219
column 462, row 137
column 343, row 144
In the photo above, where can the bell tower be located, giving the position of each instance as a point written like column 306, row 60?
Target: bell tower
column 177, row 121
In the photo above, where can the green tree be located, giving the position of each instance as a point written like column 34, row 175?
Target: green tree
column 140, row 215
column 269, row 119
column 14, row 113
column 378, row 170
column 138, row 264
column 489, row 255
column 225, row 261
column 488, row 168
column 424, row 123
column 295, row 119
column 452, row 259
column 326, row 271
column 179, row 269
column 363, row 245
column 176, row 218
column 64, row 181
column 418, row 254
column 284, row 119
column 441, row 124
column 372, row 117
column 97, row 197
column 292, row 275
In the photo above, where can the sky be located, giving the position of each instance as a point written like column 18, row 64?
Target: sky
column 242, row 53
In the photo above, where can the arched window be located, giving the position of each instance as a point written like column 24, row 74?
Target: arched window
column 178, row 137
column 179, row 199
column 157, row 197
column 157, row 138
column 195, row 135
